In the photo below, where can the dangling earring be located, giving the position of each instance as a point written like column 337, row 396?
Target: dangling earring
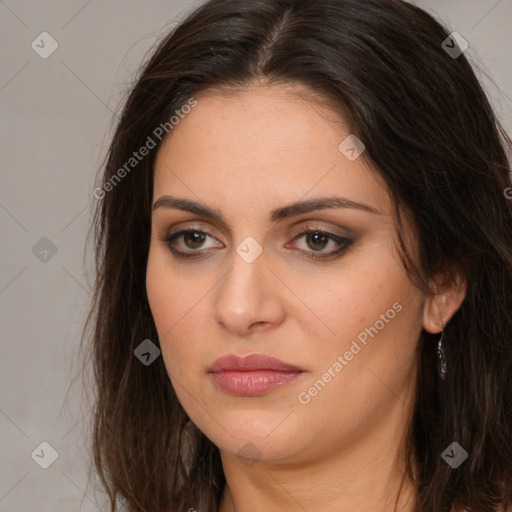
column 441, row 356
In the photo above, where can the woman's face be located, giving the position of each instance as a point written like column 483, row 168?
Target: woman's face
column 335, row 305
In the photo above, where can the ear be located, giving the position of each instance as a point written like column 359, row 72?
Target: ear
column 439, row 308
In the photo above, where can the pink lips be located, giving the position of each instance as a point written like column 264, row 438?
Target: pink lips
column 252, row 375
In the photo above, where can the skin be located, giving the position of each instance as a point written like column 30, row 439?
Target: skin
column 245, row 155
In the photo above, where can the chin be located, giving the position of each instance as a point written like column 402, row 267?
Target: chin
column 256, row 437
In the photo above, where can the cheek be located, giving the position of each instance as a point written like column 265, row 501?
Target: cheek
column 179, row 303
column 371, row 317
column 367, row 288
column 376, row 317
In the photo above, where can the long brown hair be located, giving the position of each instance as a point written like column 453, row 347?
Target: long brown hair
column 429, row 132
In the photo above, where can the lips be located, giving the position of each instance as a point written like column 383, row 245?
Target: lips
column 250, row 363
column 252, row 375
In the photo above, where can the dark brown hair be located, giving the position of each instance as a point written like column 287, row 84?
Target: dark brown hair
column 429, row 132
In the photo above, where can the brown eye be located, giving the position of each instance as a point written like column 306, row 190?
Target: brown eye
column 194, row 239
column 189, row 242
column 316, row 240
column 186, row 243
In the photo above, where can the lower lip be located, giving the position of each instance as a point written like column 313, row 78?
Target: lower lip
column 253, row 382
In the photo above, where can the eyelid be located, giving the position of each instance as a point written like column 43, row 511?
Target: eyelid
column 171, row 236
column 304, row 228
column 192, row 227
column 342, row 241
column 191, row 254
column 315, row 226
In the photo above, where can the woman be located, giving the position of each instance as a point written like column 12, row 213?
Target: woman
column 305, row 269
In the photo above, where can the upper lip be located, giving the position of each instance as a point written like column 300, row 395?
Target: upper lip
column 249, row 362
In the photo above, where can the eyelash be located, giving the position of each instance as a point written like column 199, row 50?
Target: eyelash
column 342, row 241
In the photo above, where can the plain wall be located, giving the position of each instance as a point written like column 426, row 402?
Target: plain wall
column 55, row 118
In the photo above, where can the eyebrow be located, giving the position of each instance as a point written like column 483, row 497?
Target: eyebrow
column 285, row 212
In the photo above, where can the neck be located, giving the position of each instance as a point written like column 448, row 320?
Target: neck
column 363, row 476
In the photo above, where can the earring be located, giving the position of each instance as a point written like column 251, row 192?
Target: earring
column 441, row 356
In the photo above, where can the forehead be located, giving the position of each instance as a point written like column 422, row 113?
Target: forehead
column 261, row 145
column 264, row 117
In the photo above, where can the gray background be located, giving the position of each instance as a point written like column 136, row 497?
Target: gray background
column 56, row 119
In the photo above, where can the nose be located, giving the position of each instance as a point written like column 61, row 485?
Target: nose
column 249, row 297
